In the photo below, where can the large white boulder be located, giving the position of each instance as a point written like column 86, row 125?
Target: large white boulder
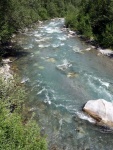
column 101, row 110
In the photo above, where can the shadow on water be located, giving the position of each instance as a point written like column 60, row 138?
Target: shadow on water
column 111, row 56
column 12, row 51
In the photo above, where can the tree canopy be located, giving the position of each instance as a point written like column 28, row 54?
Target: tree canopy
column 17, row 14
column 94, row 19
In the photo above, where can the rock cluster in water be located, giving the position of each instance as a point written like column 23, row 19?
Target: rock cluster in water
column 101, row 111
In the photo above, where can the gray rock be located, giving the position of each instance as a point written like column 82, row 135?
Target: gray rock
column 101, row 110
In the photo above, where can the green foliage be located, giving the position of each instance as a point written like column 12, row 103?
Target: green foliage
column 43, row 13
column 84, row 26
column 94, row 19
column 15, row 134
column 91, row 18
column 11, row 93
column 107, row 37
column 52, row 10
column 71, row 17
column 71, row 21
column 16, row 14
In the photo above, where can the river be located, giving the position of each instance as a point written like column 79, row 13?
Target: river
column 62, row 76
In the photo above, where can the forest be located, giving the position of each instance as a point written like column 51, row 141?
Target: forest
column 93, row 19
column 17, row 14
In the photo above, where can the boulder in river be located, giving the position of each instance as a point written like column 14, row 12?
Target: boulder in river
column 51, row 60
column 72, row 74
column 101, row 110
column 64, row 66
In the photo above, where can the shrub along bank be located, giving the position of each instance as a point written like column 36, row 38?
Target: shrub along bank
column 15, row 133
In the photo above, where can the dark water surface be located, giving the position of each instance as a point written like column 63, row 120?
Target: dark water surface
column 57, row 96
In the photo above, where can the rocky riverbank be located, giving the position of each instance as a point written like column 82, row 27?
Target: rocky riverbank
column 5, row 69
column 92, row 44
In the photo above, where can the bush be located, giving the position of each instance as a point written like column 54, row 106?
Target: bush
column 84, row 26
column 43, row 14
column 107, row 37
column 71, row 17
column 15, row 134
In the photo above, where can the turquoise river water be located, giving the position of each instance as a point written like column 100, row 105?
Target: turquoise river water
column 57, row 95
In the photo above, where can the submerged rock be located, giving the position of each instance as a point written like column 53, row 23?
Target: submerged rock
column 41, row 67
column 51, row 60
column 64, row 66
column 88, row 49
column 25, row 79
column 72, row 74
column 80, row 132
column 77, row 50
column 101, row 111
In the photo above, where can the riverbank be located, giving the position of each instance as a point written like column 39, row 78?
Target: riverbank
column 18, row 128
column 92, row 44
